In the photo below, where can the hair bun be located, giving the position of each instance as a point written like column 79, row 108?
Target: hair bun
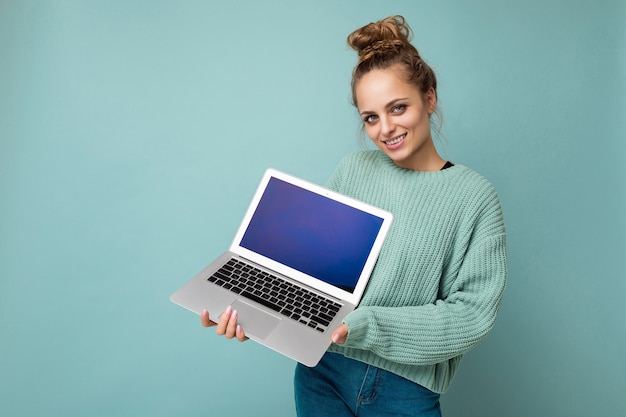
column 387, row 43
column 386, row 35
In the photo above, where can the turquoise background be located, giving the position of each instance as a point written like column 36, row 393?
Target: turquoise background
column 133, row 133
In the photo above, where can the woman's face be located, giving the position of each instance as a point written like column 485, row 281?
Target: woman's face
column 396, row 118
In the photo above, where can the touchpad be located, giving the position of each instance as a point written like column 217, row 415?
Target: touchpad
column 255, row 321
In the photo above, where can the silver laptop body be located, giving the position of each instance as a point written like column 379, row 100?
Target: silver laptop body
column 294, row 234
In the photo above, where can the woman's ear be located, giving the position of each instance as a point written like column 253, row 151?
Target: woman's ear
column 431, row 100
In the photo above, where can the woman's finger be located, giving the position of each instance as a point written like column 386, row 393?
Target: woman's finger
column 223, row 322
column 231, row 326
column 205, row 320
column 241, row 335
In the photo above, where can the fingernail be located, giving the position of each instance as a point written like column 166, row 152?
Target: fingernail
column 335, row 338
column 228, row 310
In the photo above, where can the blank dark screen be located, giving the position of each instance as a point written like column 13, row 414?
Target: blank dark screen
column 312, row 234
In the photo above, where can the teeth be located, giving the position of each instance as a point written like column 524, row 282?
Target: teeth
column 396, row 140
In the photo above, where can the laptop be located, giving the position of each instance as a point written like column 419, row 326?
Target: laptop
column 299, row 263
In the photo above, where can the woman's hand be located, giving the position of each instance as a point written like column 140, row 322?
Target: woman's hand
column 340, row 335
column 227, row 326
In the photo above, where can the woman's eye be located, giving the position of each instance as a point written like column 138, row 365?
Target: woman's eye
column 398, row 109
column 369, row 119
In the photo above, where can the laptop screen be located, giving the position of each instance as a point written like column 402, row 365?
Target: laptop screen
column 311, row 233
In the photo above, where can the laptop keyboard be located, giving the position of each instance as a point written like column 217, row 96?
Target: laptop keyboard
column 290, row 300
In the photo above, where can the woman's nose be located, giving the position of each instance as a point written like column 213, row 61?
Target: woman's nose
column 386, row 125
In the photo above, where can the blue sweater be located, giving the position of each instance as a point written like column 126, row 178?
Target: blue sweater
column 436, row 287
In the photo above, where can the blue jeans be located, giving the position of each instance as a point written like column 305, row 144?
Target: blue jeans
column 339, row 386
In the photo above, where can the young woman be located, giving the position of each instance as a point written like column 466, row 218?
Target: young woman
column 439, row 279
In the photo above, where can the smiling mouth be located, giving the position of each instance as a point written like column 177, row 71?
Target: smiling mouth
column 394, row 141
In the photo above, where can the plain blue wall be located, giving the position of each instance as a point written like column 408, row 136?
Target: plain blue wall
column 133, row 133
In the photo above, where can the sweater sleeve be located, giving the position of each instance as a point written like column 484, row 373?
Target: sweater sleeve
column 450, row 326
